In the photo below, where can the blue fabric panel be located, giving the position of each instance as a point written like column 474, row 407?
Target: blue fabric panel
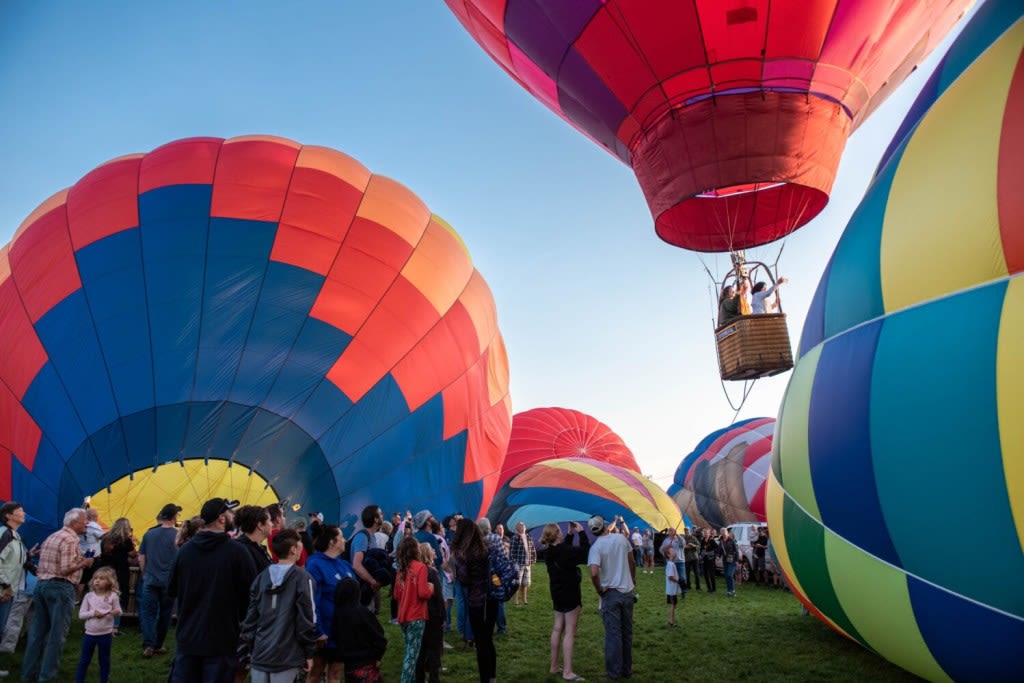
column 51, row 408
column 839, row 443
column 171, row 422
column 68, row 334
column 234, row 421
column 259, row 439
column 203, row 418
column 287, row 295
column 854, row 289
column 39, row 495
column 319, row 345
column 43, row 482
column 111, row 271
column 293, row 387
column 82, row 474
column 283, row 456
column 322, row 410
column 814, row 324
column 935, row 437
column 302, row 477
column 381, row 408
column 174, row 224
column 140, row 439
column 111, row 453
column 959, row 632
column 237, row 258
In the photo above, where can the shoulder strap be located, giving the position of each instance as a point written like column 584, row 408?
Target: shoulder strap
column 6, row 536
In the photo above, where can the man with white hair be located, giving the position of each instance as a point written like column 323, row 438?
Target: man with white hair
column 60, row 569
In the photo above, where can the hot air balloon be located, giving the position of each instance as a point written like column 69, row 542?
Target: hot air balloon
column 573, row 489
column 904, row 406
column 722, row 481
column 249, row 318
column 544, row 433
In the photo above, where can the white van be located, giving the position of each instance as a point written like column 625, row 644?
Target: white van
column 745, row 533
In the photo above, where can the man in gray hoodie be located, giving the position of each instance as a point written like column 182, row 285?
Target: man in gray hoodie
column 279, row 632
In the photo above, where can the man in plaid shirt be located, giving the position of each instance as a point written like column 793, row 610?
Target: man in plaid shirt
column 60, row 569
column 524, row 553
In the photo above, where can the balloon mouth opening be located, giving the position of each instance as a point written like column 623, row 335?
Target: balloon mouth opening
column 739, row 216
column 140, row 495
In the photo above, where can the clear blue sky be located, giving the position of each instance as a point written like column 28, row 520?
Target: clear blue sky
column 598, row 314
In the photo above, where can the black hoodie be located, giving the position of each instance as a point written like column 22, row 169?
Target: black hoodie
column 211, row 579
column 357, row 632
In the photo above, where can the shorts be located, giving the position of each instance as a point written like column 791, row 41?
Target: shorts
column 447, row 587
column 649, row 552
column 759, row 565
column 672, row 599
column 524, row 577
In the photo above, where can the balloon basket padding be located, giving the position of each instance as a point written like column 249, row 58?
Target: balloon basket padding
column 754, row 346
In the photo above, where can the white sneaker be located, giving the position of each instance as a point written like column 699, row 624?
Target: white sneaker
column 447, row 645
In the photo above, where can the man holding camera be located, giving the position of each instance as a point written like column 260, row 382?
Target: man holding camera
column 613, row 573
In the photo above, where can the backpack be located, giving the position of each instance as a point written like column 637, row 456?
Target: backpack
column 504, row 574
column 347, row 555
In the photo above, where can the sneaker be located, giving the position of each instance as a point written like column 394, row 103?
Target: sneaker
column 447, row 645
column 160, row 651
column 148, row 652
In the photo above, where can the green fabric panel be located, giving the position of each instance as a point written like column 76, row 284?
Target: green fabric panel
column 805, row 539
column 790, row 457
column 874, row 595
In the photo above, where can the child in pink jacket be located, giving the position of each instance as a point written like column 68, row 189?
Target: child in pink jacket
column 99, row 607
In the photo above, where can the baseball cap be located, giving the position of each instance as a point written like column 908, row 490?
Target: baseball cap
column 168, row 511
column 215, row 507
column 596, row 523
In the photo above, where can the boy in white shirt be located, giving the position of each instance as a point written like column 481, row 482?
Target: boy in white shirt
column 672, row 588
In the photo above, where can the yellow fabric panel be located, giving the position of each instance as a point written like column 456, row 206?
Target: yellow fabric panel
column 667, row 506
column 479, row 303
column 140, row 497
column 48, row 205
column 334, row 163
column 1010, row 398
column 861, row 583
column 391, row 204
column 264, row 138
column 622, row 489
column 440, row 267
column 791, row 434
column 942, row 209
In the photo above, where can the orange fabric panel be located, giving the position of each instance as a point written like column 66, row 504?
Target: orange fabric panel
column 104, row 202
column 479, row 303
column 57, row 199
column 357, row 370
column 393, row 205
column 304, row 249
column 43, row 263
column 183, row 162
column 440, row 266
column 437, row 360
column 5, row 262
column 461, row 410
column 497, row 369
column 369, row 260
column 25, row 353
column 252, row 179
column 334, row 163
column 18, row 431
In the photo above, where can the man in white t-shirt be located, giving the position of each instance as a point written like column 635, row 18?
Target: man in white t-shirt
column 613, row 573
column 638, row 546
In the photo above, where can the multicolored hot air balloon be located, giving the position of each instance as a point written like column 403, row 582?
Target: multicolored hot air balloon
column 544, row 433
column 573, row 489
column 733, row 115
column 905, row 405
column 251, row 318
column 723, row 480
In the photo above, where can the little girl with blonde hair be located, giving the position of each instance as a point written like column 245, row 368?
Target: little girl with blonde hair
column 99, row 608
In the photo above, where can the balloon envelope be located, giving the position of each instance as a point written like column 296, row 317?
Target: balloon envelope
column 251, row 318
column 906, row 400
column 544, row 433
column 723, row 480
column 574, row 489
column 733, row 115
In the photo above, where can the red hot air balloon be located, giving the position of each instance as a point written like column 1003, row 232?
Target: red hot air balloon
column 732, row 113
column 544, row 434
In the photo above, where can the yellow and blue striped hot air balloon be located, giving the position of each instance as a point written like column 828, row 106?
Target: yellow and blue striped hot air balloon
column 906, row 404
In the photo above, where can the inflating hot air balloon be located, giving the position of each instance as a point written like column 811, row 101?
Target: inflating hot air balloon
column 722, row 481
column 905, row 404
column 573, row 489
column 545, row 433
column 251, row 318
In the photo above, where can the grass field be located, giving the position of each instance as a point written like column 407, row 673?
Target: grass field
column 760, row 635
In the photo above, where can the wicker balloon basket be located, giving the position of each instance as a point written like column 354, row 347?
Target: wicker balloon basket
column 754, row 346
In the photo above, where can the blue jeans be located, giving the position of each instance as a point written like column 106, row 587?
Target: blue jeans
column 502, row 623
column 54, row 603
column 154, row 615
column 90, row 643
column 5, row 611
column 617, row 615
column 462, row 612
column 681, row 575
column 196, row 669
column 730, row 574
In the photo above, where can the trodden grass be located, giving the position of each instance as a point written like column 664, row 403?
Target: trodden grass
column 760, row 635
